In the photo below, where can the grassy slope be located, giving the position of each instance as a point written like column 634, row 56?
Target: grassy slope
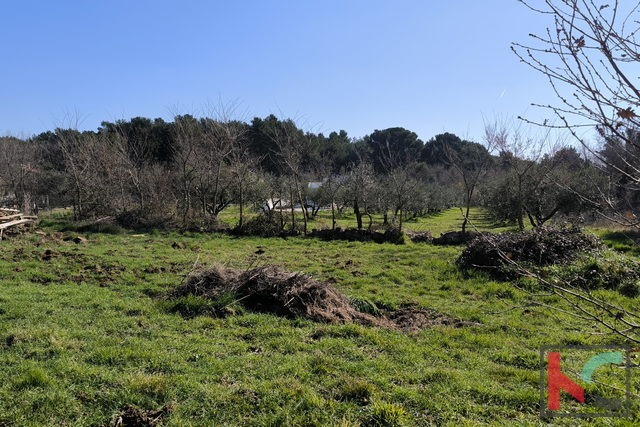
column 81, row 336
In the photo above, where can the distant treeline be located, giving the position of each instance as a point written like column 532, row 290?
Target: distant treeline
column 182, row 174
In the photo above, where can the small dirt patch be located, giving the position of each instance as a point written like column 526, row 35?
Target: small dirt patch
column 134, row 417
column 273, row 290
column 79, row 240
column 49, row 254
column 413, row 319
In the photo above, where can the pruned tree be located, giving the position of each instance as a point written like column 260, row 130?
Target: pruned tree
column 289, row 146
column 520, row 156
column 470, row 160
column 358, row 189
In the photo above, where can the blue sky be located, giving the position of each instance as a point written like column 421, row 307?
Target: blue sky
column 428, row 66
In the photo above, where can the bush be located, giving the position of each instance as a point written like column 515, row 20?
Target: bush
column 206, row 224
column 608, row 270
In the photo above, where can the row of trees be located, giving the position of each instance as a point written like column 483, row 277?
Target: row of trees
column 153, row 173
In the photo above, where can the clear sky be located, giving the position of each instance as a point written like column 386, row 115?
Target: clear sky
column 425, row 65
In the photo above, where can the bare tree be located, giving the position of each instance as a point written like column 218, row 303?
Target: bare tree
column 590, row 56
column 131, row 152
column 88, row 162
column 290, row 146
column 358, row 189
column 187, row 133
column 397, row 165
column 18, row 165
column 144, row 193
column 224, row 131
column 471, row 166
column 244, row 172
column 521, row 155
column 329, row 193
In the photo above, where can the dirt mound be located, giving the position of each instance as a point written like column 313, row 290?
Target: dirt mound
column 273, row 290
column 134, row 417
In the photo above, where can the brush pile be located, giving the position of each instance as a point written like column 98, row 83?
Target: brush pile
column 273, row 290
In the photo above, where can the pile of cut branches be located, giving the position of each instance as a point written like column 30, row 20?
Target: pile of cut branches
column 273, row 290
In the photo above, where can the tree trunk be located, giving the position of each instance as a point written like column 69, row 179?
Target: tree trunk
column 520, row 209
column 215, row 189
column 356, row 210
column 303, row 206
column 241, row 207
column 293, row 212
column 333, row 215
column 466, row 219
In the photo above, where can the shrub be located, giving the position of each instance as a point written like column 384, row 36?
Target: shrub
column 403, row 239
column 608, row 270
column 143, row 220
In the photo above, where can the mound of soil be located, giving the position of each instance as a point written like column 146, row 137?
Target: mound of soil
column 272, row 290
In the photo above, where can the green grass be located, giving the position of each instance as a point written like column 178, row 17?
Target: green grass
column 82, row 334
column 437, row 223
column 622, row 240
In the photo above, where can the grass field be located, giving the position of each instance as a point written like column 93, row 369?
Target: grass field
column 83, row 334
column 439, row 222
